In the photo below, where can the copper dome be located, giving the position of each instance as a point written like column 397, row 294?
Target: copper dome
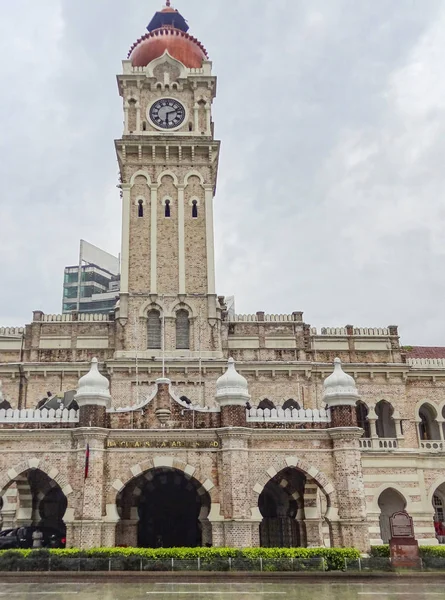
column 179, row 44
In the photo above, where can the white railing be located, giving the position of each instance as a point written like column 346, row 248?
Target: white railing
column 12, row 330
column 93, row 317
column 432, row 446
column 357, row 331
column 259, row 415
column 379, row 443
column 426, row 363
column 371, row 331
column 267, row 318
column 39, row 416
column 365, row 443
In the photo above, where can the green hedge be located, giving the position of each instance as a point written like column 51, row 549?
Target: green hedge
column 425, row 551
column 211, row 558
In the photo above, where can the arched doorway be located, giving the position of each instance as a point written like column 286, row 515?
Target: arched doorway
column 293, row 507
column 390, row 501
column 164, row 508
column 33, row 498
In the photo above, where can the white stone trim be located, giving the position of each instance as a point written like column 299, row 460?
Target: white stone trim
column 193, row 173
column 163, row 461
column 67, row 490
column 125, row 249
column 189, row 470
column 154, row 240
column 208, row 485
column 140, row 173
column 169, row 173
column 118, row 485
column 181, row 240
column 136, row 470
column 210, row 241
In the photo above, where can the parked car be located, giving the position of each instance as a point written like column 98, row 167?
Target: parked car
column 21, row 537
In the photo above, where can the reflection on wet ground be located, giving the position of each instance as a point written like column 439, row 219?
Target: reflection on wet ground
column 292, row 590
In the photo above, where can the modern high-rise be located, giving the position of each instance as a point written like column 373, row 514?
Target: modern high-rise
column 92, row 286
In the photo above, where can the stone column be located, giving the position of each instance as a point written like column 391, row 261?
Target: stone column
column 89, row 526
column 312, row 515
column 93, row 398
column 353, row 526
column 239, row 521
column 341, row 395
column 241, row 524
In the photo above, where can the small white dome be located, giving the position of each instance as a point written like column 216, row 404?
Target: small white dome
column 93, row 385
column 339, row 385
column 232, row 388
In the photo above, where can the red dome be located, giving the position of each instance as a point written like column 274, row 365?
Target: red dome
column 179, row 44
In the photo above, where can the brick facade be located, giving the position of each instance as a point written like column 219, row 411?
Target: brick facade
column 165, row 425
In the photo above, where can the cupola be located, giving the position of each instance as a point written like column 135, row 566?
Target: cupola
column 167, row 31
column 232, row 388
column 340, row 394
column 93, row 388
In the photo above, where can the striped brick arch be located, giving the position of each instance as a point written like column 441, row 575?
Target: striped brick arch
column 159, row 462
column 282, row 463
column 17, row 471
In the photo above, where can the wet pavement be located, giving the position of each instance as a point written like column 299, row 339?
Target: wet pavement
column 295, row 590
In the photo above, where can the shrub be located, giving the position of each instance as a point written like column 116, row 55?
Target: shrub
column 211, row 559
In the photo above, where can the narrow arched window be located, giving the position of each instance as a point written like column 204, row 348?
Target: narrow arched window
column 154, row 330
column 182, row 330
column 195, row 209
column 167, row 209
column 266, row 403
column 140, row 208
column 292, row 404
column 144, row 126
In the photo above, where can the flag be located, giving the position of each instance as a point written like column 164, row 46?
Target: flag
column 87, row 460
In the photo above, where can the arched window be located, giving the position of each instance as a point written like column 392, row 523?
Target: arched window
column 292, row 404
column 385, row 425
column 266, row 403
column 182, row 330
column 362, row 418
column 195, row 209
column 154, row 330
column 167, row 209
column 428, row 426
column 140, row 208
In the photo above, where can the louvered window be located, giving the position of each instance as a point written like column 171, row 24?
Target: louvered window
column 154, row 330
column 182, row 330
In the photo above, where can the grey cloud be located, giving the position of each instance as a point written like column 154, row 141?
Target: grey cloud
column 330, row 189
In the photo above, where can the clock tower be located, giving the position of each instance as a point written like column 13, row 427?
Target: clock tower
column 168, row 161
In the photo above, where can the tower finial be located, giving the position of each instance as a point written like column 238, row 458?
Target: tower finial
column 167, row 3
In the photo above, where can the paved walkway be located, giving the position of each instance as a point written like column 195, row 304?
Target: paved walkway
column 297, row 590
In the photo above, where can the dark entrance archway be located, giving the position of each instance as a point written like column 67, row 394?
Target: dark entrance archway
column 281, row 505
column 167, row 509
column 37, row 500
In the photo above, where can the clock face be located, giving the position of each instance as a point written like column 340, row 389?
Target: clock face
column 167, row 113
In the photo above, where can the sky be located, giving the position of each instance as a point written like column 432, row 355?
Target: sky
column 331, row 114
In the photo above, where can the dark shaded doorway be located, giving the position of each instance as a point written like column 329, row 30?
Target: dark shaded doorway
column 168, row 508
